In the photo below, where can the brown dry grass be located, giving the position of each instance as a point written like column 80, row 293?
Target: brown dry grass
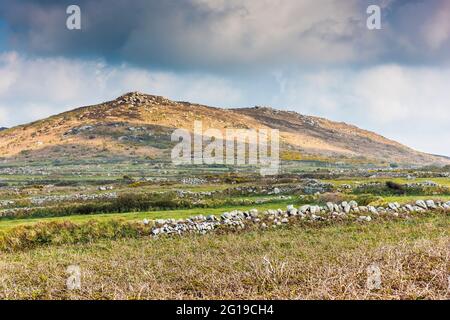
column 289, row 263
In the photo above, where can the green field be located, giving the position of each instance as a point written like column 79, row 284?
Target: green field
column 6, row 224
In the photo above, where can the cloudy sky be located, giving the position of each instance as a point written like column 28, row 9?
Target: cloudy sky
column 314, row 57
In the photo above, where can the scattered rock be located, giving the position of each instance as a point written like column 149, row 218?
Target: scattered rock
column 421, row 204
column 430, row 204
column 365, row 218
column 237, row 220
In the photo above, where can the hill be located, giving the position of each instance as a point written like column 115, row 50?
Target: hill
column 139, row 125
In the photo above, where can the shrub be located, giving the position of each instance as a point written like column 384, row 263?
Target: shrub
column 395, row 187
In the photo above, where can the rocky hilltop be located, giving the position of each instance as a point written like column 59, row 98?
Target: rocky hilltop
column 139, row 125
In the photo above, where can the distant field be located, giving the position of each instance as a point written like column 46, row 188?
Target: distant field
column 294, row 262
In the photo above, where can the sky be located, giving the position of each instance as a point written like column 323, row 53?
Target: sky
column 314, row 57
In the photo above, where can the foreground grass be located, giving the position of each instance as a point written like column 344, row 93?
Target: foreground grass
column 295, row 262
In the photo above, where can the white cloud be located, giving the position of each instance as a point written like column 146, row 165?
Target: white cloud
column 408, row 104
column 393, row 93
column 33, row 88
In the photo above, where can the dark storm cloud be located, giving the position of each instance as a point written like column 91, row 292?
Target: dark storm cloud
column 418, row 32
column 218, row 34
column 140, row 31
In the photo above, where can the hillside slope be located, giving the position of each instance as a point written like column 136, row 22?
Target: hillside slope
column 136, row 125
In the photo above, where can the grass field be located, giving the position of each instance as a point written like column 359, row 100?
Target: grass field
column 328, row 262
column 119, row 259
column 6, row 224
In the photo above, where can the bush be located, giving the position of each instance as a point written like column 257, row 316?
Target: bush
column 152, row 201
column 395, row 187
